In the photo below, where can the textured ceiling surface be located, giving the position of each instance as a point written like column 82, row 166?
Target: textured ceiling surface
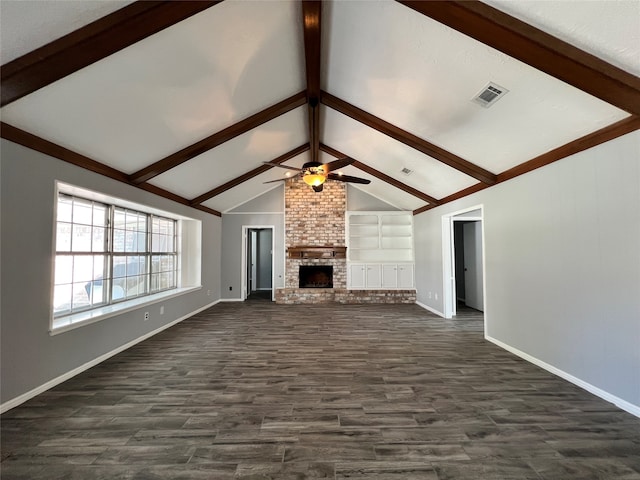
column 193, row 80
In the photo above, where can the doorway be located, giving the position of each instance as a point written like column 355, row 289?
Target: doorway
column 463, row 257
column 257, row 264
column 467, row 246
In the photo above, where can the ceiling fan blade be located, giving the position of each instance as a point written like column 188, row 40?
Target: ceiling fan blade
column 283, row 166
column 336, row 164
column 279, row 180
column 348, row 178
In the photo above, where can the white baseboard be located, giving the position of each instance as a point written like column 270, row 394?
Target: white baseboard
column 618, row 402
column 432, row 310
column 232, row 299
column 9, row 404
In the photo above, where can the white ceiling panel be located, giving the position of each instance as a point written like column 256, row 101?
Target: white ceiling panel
column 253, row 188
column 390, row 156
column 237, row 156
column 608, row 29
column 385, row 192
column 173, row 88
column 421, row 76
column 29, row 24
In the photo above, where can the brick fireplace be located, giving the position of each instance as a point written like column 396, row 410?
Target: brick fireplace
column 315, row 236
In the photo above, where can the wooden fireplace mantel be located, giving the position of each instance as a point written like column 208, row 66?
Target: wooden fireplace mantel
column 315, row 251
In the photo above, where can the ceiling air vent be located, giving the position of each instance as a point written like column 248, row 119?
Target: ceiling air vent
column 406, row 171
column 490, row 95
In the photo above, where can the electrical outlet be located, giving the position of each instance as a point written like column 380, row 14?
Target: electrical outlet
column 146, row 316
column 429, row 294
column 208, row 293
column 162, row 310
column 436, row 295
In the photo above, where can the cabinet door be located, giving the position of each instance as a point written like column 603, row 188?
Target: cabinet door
column 389, row 276
column 405, row 275
column 357, row 275
column 374, row 279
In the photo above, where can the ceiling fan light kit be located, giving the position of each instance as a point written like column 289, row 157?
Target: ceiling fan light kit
column 315, row 174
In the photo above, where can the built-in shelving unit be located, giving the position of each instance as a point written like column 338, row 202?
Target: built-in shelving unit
column 380, row 236
column 380, row 250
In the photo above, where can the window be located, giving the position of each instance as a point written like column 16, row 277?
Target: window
column 106, row 254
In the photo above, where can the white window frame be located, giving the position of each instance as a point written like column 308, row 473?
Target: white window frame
column 187, row 260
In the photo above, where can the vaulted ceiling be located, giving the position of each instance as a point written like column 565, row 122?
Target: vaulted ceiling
column 189, row 99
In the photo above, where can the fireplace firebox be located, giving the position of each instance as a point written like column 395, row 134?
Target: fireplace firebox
column 316, row 276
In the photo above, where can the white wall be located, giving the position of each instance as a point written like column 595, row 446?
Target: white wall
column 30, row 356
column 357, row 200
column 562, row 246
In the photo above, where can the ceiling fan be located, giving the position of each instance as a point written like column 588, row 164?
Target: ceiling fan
column 315, row 174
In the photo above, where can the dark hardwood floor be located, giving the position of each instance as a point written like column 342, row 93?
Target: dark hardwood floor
column 256, row 390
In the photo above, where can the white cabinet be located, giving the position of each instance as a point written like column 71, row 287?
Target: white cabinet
column 397, row 275
column 387, row 276
column 373, row 276
column 356, row 275
column 405, row 276
column 363, row 276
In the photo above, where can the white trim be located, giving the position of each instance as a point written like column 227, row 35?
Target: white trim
column 618, row 402
column 94, row 315
column 448, row 272
column 231, row 300
column 448, row 260
column 431, row 309
column 243, row 263
column 254, row 213
column 9, row 404
column 89, row 194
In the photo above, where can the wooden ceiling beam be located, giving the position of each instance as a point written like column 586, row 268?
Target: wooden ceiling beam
column 249, row 175
column 26, row 139
column 536, row 48
column 92, row 43
column 39, row 144
column 606, row 134
column 218, row 138
column 593, row 139
column 382, row 176
column 311, row 22
column 408, row 139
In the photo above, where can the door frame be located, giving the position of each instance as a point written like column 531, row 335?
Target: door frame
column 448, row 260
column 245, row 244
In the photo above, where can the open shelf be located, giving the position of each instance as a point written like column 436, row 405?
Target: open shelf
column 380, row 236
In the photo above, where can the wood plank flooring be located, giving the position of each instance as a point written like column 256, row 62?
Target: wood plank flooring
column 256, row 390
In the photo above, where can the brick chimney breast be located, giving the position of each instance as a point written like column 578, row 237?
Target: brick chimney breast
column 315, row 219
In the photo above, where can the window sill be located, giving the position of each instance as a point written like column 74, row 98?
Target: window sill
column 80, row 319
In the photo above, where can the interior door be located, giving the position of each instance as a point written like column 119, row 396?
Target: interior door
column 473, row 288
column 253, row 258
